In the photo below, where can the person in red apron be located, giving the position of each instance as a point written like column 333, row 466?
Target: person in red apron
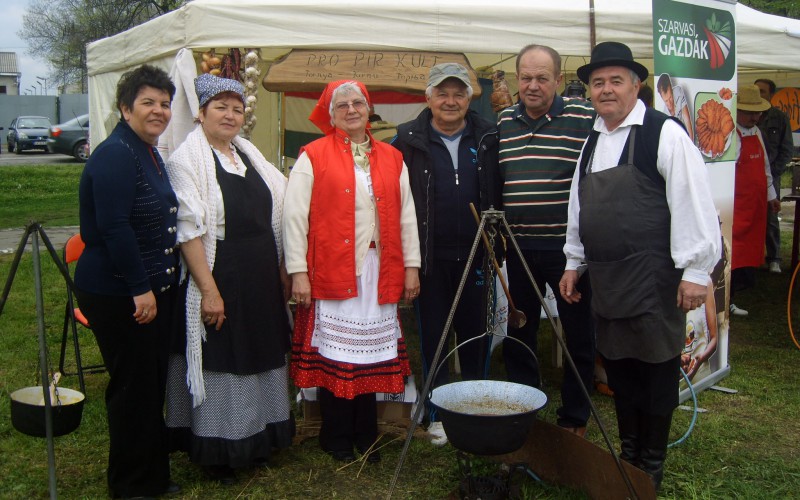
column 753, row 191
column 642, row 219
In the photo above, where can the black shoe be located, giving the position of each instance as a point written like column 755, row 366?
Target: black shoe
column 342, row 456
column 221, row 473
column 374, row 457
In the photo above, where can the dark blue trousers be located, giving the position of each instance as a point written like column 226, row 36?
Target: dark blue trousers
column 437, row 291
column 547, row 267
column 136, row 359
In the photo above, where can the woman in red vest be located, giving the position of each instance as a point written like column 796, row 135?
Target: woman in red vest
column 352, row 250
column 753, row 192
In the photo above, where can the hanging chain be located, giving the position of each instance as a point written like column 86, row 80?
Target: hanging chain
column 491, row 317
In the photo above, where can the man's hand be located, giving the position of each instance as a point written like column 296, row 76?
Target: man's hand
column 568, row 287
column 691, row 295
column 774, row 205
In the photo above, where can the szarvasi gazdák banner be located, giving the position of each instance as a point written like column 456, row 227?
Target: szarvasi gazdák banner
column 694, row 61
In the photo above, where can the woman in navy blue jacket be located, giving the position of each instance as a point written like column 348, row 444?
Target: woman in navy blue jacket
column 126, row 279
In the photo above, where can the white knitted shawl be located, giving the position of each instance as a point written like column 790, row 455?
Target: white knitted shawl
column 192, row 173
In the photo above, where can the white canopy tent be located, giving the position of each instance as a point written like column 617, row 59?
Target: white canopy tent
column 489, row 34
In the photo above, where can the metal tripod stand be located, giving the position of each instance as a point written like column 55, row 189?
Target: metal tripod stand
column 35, row 229
column 495, row 220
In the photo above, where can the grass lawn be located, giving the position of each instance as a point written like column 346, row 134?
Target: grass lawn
column 44, row 193
column 743, row 447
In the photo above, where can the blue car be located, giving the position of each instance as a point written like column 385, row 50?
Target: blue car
column 28, row 132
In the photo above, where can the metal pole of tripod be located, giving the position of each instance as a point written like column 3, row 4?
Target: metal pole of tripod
column 43, row 368
column 15, row 264
column 431, row 371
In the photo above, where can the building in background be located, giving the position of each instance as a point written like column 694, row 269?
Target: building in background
column 9, row 73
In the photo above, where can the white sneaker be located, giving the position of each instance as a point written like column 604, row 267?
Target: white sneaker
column 774, row 267
column 736, row 311
column 437, row 435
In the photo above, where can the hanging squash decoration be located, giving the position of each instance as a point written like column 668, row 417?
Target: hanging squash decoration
column 211, row 63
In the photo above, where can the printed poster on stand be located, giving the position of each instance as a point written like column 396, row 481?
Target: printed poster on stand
column 694, row 48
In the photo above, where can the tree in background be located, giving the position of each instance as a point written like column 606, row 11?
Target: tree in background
column 785, row 8
column 58, row 31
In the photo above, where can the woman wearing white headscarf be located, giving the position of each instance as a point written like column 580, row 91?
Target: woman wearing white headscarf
column 237, row 330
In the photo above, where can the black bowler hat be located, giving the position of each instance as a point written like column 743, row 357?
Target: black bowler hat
column 611, row 54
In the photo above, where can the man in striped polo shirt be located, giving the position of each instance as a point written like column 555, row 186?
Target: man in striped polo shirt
column 540, row 140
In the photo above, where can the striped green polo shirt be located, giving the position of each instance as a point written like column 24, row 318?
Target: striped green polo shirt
column 537, row 161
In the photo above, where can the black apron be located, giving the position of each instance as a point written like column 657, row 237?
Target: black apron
column 625, row 230
column 255, row 337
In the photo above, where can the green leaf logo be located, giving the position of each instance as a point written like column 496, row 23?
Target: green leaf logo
column 719, row 40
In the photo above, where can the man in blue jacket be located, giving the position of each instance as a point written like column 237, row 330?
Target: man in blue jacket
column 451, row 154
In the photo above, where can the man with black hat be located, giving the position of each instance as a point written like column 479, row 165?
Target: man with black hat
column 754, row 193
column 451, row 154
column 642, row 217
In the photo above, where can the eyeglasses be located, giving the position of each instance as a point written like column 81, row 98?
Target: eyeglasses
column 344, row 107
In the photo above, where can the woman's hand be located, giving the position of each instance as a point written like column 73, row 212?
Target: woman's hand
column 146, row 310
column 212, row 309
column 694, row 365
column 411, row 284
column 301, row 289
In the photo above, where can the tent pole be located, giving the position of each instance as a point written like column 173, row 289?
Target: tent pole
column 592, row 31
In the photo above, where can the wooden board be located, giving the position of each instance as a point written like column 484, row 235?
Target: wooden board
column 310, row 70
column 561, row 457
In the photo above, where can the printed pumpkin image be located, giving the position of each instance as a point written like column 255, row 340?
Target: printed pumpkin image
column 713, row 127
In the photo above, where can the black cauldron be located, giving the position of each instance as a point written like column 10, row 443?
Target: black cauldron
column 27, row 411
column 487, row 417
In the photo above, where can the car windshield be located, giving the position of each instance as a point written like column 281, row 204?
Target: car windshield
column 33, row 123
column 78, row 122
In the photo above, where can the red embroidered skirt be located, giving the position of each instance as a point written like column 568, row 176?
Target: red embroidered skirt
column 345, row 380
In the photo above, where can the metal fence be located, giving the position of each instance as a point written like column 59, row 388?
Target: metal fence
column 57, row 108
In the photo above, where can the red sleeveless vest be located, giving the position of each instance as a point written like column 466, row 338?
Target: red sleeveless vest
column 331, row 255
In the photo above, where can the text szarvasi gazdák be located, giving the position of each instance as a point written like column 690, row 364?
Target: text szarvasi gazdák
column 678, row 38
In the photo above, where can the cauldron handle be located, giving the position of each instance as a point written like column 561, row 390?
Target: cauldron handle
column 479, row 337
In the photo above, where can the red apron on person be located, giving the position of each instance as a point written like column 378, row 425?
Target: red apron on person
column 749, row 205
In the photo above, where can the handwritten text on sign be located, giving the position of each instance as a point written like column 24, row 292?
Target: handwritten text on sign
column 311, row 70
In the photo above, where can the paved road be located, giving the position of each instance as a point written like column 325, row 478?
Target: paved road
column 33, row 158
column 58, row 235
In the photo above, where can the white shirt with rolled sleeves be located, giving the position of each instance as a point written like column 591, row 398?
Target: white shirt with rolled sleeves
column 694, row 231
